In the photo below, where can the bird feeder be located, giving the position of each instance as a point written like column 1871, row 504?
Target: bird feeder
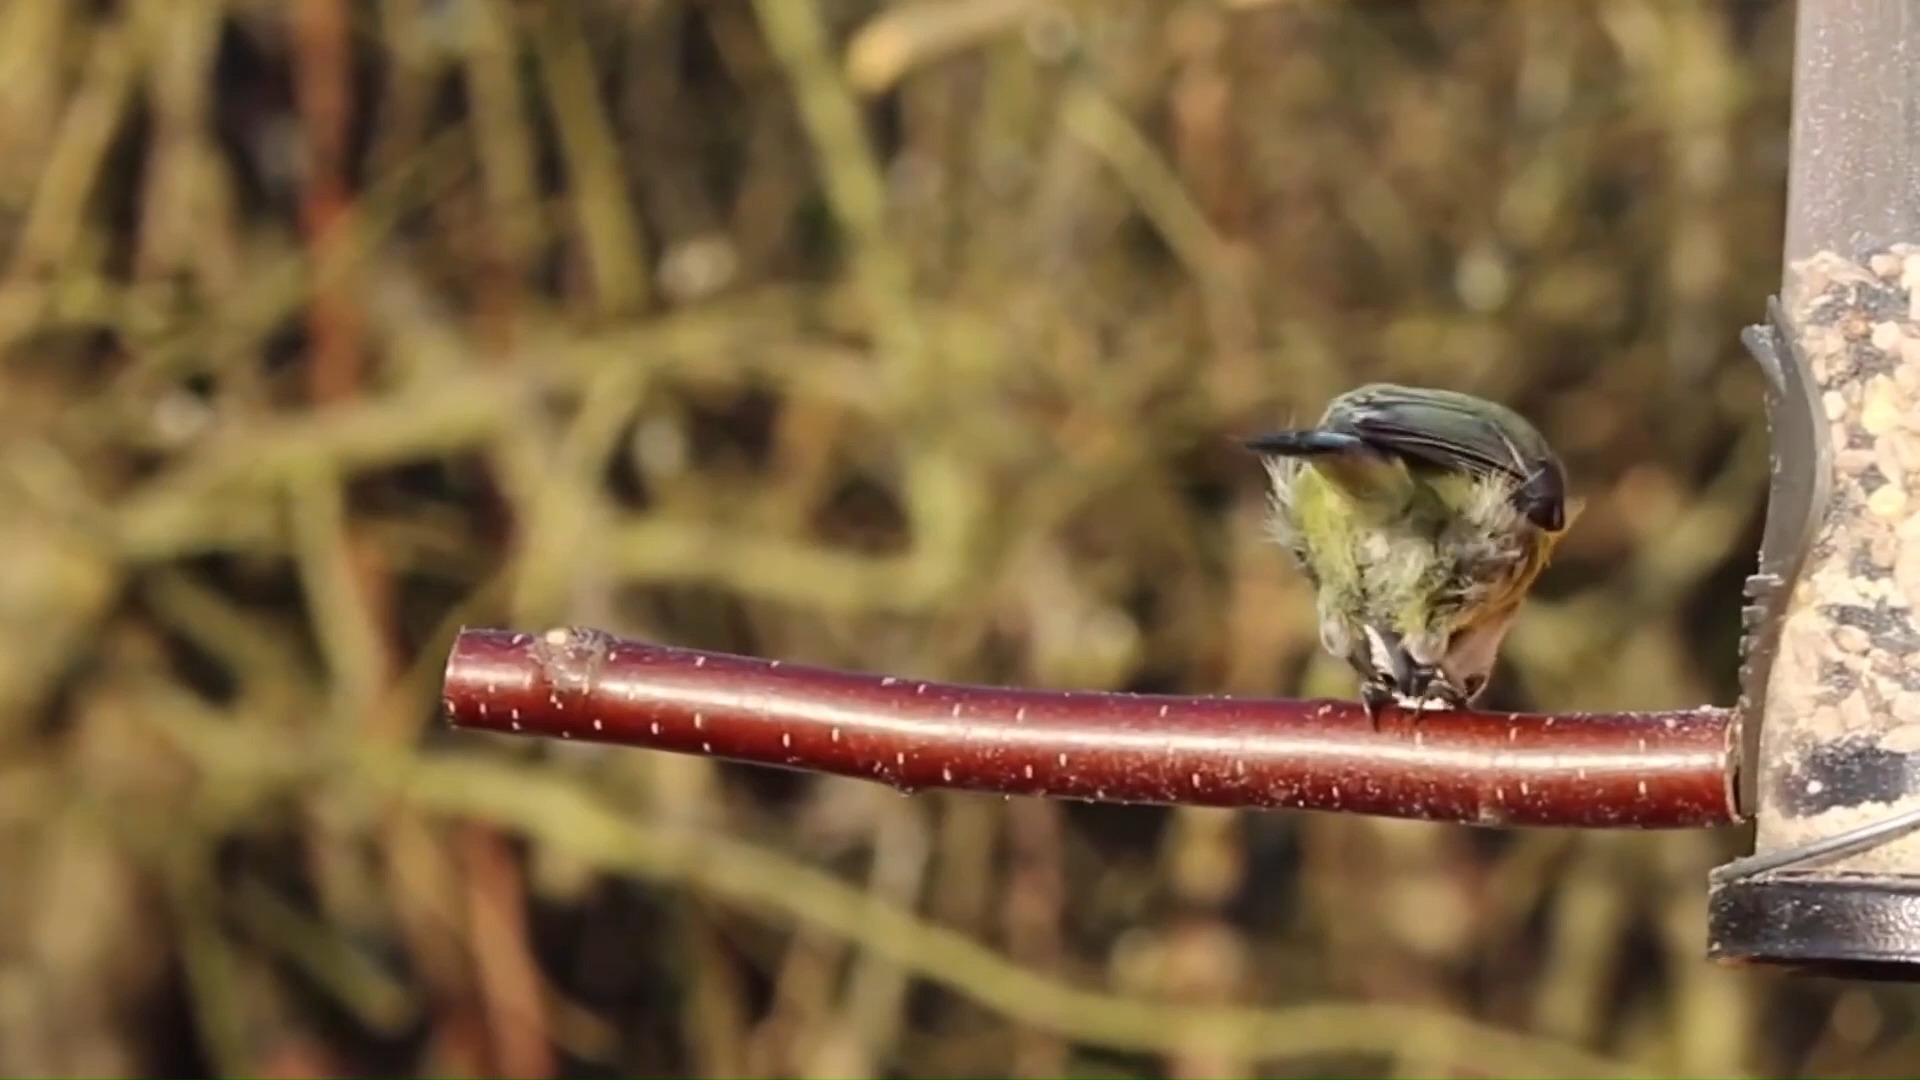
column 1830, row 709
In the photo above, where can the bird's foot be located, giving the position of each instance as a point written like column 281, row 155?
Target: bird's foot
column 1423, row 683
column 1375, row 695
column 1420, row 681
column 1448, row 695
column 1425, row 688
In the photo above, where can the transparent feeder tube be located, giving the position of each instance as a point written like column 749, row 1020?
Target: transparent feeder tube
column 1839, row 745
column 1854, row 180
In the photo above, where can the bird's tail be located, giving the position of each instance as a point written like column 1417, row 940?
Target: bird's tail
column 1305, row 444
column 1368, row 477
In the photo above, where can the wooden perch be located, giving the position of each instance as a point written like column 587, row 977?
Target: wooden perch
column 1596, row 770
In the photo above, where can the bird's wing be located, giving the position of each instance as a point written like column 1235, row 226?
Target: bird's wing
column 1455, row 432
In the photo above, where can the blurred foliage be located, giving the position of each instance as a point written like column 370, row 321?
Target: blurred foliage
column 909, row 337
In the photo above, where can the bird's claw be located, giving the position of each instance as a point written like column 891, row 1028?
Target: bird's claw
column 1447, row 694
column 1420, row 681
column 1422, row 685
column 1375, row 695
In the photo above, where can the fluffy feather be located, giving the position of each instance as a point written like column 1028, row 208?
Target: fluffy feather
column 1422, row 517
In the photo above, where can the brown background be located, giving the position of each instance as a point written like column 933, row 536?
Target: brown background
column 907, row 338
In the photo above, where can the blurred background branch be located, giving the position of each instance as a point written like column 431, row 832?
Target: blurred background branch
column 899, row 337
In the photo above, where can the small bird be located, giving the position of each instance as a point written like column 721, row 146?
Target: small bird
column 1422, row 518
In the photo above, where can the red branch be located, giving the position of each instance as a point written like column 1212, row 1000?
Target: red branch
column 1600, row 770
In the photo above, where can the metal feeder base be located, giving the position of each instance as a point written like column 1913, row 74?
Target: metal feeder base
column 1854, row 926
